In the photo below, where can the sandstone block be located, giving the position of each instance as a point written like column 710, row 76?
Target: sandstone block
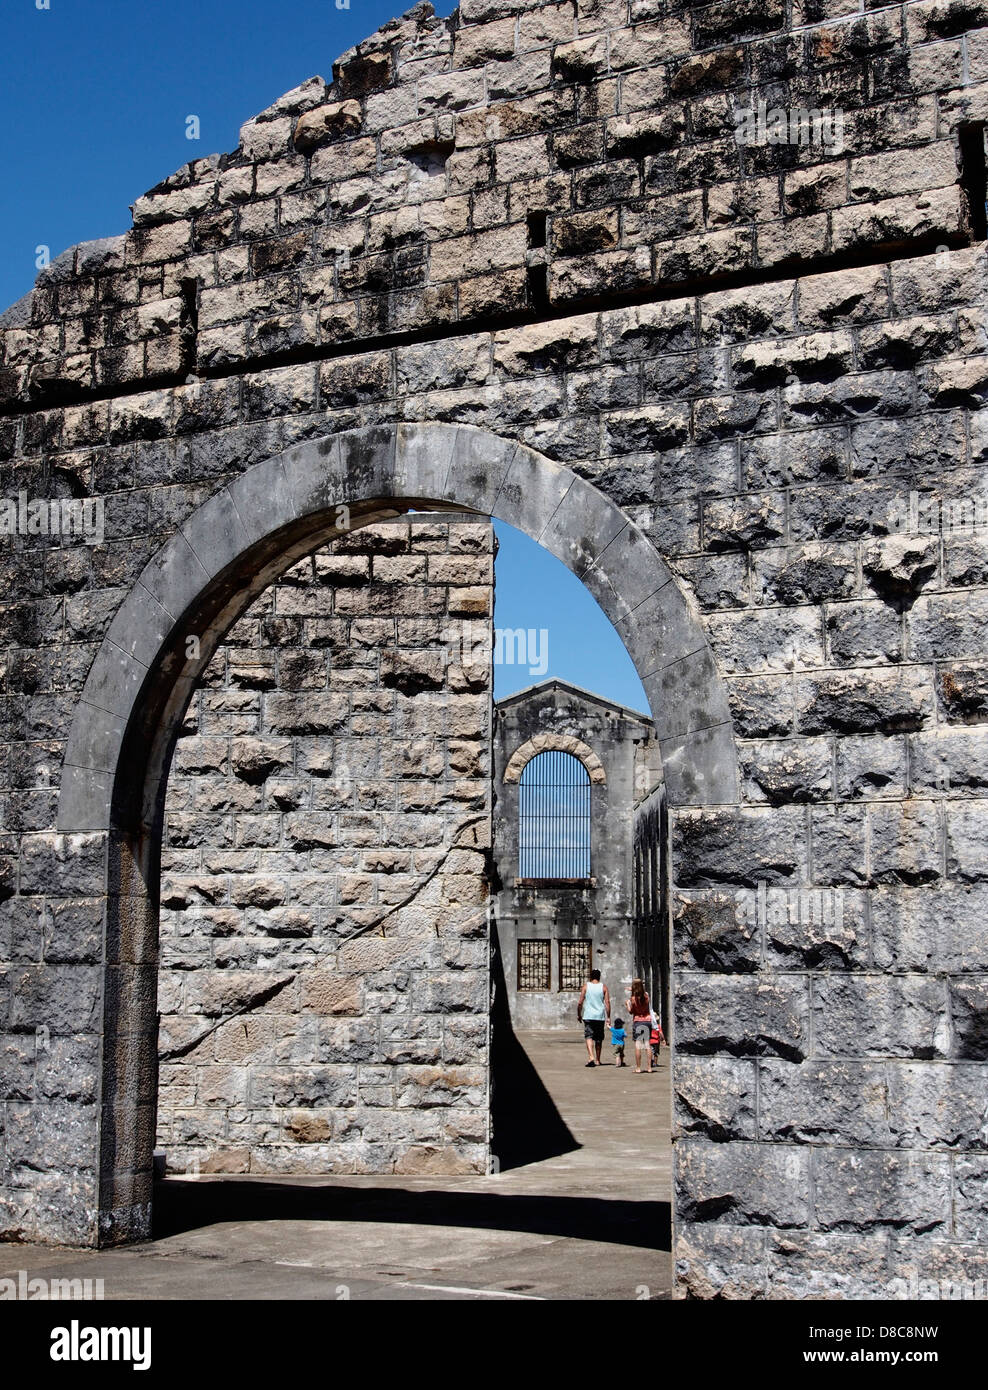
column 331, row 121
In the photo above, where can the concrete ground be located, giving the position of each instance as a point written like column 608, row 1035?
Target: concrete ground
column 589, row 1221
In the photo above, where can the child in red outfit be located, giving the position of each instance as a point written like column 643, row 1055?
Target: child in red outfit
column 655, row 1038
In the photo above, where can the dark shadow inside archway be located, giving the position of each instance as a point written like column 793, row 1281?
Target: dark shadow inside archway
column 526, row 1126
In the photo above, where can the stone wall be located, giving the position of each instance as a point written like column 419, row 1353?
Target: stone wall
column 323, row 988
column 651, row 901
column 524, row 252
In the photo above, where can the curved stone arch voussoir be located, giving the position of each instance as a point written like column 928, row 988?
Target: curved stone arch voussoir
column 290, row 503
column 554, row 743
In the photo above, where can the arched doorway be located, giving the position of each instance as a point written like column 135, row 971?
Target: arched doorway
column 190, row 593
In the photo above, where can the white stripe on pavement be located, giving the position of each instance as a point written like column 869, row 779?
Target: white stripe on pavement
column 477, row 1293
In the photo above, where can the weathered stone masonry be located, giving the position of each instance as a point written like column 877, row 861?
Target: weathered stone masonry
column 324, row 987
column 516, row 262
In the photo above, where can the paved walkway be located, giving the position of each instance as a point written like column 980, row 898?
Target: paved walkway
column 590, row 1222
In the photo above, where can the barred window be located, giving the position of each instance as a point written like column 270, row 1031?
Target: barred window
column 574, row 964
column 554, row 818
column 533, row 964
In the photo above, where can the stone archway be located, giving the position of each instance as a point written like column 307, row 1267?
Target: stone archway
column 225, row 554
column 563, row 743
column 285, row 505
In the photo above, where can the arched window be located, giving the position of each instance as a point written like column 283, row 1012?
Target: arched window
column 554, row 818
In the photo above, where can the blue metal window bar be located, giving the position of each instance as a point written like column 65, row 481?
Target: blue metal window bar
column 554, row 818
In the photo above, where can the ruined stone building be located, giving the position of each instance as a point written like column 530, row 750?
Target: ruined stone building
column 567, row 766
column 320, row 771
column 695, row 297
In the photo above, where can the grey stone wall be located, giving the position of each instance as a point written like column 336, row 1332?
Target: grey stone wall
column 323, row 988
column 741, row 360
column 651, row 901
column 601, row 911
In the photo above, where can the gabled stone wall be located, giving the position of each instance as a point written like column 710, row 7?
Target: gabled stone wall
column 606, row 738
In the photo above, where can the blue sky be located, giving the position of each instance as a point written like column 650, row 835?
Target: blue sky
column 535, row 590
column 97, row 93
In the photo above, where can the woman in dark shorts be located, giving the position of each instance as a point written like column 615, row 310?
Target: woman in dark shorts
column 640, row 1009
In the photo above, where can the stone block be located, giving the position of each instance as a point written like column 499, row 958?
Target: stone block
column 63, row 999
column 936, row 1106
column 787, row 770
column 948, row 762
column 711, row 931
column 741, row 847
column 715, row 1096
column 720, row 1261
column 871, row 766
column 332, row 121
column 743, row 1184
column 761, row 706
column 969, row 1011
column 966, row 828
column 762, row 642
column 746, row 1017
column 64, row 866
column 832, row 1266
column 854, row 702
column 918, row 930
column 875, row 1016
column 864, row 634
column 970, row 1205
column 870, row 1190
column 840, row 1104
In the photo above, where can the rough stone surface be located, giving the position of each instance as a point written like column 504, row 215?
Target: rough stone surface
column 324, row 925
column 533, row 226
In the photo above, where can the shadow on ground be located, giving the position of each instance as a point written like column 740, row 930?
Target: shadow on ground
column 526, row 1127
column 181, row 1205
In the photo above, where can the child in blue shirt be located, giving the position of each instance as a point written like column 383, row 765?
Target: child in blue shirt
column 617, row 1041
